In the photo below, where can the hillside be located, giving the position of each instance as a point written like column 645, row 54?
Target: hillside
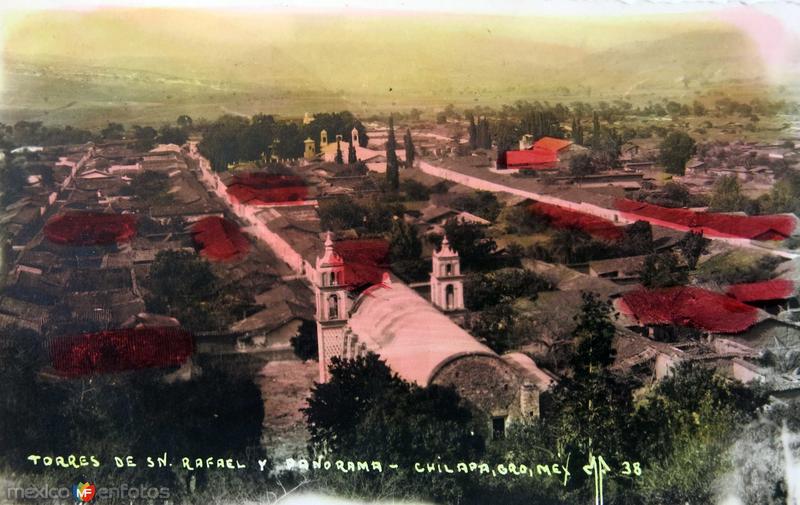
column 150, row 65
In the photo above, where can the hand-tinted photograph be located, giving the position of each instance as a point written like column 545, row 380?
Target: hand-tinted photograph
column 404, row 252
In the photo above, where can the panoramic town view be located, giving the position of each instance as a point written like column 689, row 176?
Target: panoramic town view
column 462, row 257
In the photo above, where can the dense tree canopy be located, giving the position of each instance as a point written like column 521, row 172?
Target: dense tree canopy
column 662, row 270
column 183, row 286
column 365, row 412
column 676, row 149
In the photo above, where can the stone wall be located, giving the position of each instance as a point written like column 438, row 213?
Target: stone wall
column 486, row 382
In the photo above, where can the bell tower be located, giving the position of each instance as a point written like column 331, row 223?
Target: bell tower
column 354, row 136
column 310, row 150
column 333, row 305
column 447, row 283
column 323, row 138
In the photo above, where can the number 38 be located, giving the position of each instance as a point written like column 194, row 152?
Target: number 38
column 631, row 468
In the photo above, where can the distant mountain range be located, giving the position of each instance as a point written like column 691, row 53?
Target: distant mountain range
column 145, row 65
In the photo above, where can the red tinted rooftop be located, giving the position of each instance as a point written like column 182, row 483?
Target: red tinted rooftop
column 535, row 159
column 543, row 155
column 90, row 228
column 690, row 307
column 266, row 189
column 551, row 144
column 771, row 227
column 219, row 239
column 120, row 350
column 365, row 260
column 764, row 291
column 564, row 218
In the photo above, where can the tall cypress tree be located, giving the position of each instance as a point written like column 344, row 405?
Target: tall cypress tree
column 577, row 131
column 486, row 135
column 392, row 168
column 409, row 145
column 595, row 130
column 352, row 157
column 339, row 159
column 473, row 133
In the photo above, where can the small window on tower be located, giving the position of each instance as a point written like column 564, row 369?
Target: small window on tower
column 448, row 269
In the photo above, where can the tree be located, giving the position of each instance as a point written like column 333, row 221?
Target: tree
column 638, row 238
column 693, row 245
column 484, row 135
column 581, row 165
column 404, row 242
column 408, row 142
column 495, row 326
column 661, row 270
column 415, row 190
column 727, row 195
column 366, row 412
column 593, row 336
column 473, row 133
column 221, row 141
column 352, row 157
column 675, row 150
column 113, row 131
column 171, row 135
column 689, row 419
column 145, row 137
column 471, row 243
column 184, row 122
column 338, row 159
column 577, row 131
column 481, row 203
column 183, row 286
column 606, row 148
column 482, row 290
column 392, row 166
column 341, row 213
column 785, row 195
column 13, row 179
column 335, row 407
column 565, row 243
column 305, row 344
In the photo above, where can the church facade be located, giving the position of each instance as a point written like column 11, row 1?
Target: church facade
column 418, row 339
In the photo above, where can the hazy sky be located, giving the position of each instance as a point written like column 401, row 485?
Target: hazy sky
column 528, row 7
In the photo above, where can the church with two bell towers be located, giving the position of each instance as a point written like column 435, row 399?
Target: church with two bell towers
column 334, row 301
column 418, row 337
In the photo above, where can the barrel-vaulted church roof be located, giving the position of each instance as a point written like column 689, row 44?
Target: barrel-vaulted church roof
column 411, row 335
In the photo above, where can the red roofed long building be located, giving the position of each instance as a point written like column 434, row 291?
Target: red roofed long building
column 257, row 188
column 543, row 155
column 713, row 225
column 690, row 307
column 764, row 291
column 561, row 217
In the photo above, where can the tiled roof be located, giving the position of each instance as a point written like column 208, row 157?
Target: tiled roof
column 770, row 227
column 689, row 307
column 775, row 289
